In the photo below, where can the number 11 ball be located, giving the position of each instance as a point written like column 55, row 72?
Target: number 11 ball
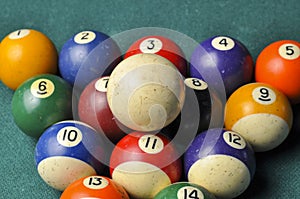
column 261, row 114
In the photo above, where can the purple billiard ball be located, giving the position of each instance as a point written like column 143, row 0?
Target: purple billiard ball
column 221, row 161
column 69, row 150
column 86, row 56
column 228, row 55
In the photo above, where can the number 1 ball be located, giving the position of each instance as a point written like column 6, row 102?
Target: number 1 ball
column 26, row 53
column 278, row 64
column 221, row 161
column 261, row 114
column 40, row 102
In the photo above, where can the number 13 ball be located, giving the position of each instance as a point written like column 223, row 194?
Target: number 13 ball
column 261, row 114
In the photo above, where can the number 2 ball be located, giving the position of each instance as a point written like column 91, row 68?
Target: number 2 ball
column 162, row 46
column 227, row 55
column 93, row 187
column 26, row 53
column 68, row 151
column 278, row 64
column 40, row 102
column 86, row 56
column 221, row 161
column 261, row 114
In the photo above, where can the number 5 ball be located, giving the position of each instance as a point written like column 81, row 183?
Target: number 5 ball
column 26, row 53
column 261, row 114
column 279, row 65
column 40, row 102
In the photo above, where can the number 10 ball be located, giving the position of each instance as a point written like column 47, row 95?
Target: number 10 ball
column 261, row 114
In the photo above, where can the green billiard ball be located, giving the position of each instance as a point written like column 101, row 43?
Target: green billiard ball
column 184, row 190
column 40, row 102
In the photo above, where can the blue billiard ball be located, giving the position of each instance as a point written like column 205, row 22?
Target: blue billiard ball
column 86, row 56
column 229, row 56
column 222, row 161
column 67, row 151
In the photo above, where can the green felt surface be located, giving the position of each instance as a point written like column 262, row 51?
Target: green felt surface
column 255, row 23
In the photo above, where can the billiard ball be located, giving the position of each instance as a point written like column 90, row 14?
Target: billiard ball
column 221, row 161
column 67, row 151
column 145, row 92
column 40, row 102
column 278, row 65
column 144, row 164
column 226, row 55
column 184, row 190
column 162, row 46
column 94, row 187
column 93, row 109
column 26, row 53
column 261, row 114
column 86, row 56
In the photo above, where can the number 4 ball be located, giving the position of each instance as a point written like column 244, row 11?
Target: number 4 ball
column 279, row 65
column 261, row 114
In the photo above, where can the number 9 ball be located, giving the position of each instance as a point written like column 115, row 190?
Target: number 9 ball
column 261, row 114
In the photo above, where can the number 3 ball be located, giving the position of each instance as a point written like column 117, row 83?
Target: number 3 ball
column 67, row 151
column 261, row 114
column 40, row 102
column 93, row 187
column 26, row 53
column 229, row 56
column 220, row 161
column 279, row 65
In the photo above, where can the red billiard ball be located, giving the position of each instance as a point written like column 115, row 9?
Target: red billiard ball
column 278, row 64
column 94, row 187
column 144, row 164
column 93, row 109
column 162, row 46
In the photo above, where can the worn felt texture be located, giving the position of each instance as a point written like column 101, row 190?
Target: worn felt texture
column 253, row 22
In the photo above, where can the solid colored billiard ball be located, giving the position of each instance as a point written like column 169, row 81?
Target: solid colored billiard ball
column 86, row 56
column 221, row 161
column 93, row 187
column 261, row 114
column 226, row 55
column 278, row 65
column 93, row 109
column 144, row 164
column 145, row 92
column 184, row 190
column 26, row 53
column 67, row 151
column 40, row 102
column 162, row 46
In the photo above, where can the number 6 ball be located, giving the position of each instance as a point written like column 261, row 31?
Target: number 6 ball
column 261, row 114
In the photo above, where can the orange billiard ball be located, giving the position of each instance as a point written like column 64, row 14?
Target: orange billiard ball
column 261, row 114
column 94, row 187
column 279, row 65
column 25, row 53
column 160, row 45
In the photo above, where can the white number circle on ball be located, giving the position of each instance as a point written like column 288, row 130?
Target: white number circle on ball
column 151, row 45
column 222, row 43
column 264, row 95
column 189, row 192
column 84, row 37
column 151, row 144
column 18, row 34
column 42, row 88
column 234, row 140
column 69, row 136
column 95, row 182
column 289, row 51
column 101, row 84
column 195, row 83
